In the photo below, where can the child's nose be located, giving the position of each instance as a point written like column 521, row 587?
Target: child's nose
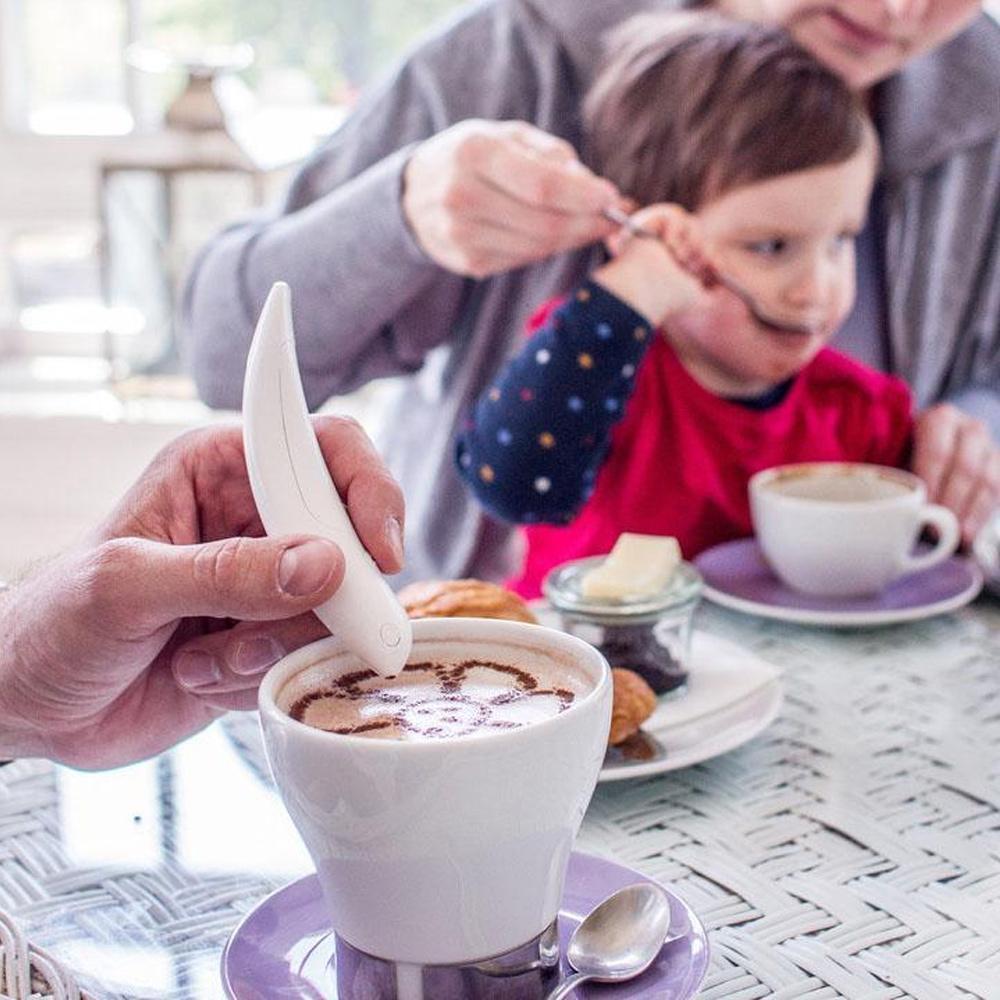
column 812, row 285
column 905, row 10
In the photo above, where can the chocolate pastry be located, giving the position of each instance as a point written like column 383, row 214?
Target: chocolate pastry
column 463, row 599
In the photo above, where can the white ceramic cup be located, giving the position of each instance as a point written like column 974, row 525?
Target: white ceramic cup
column 842, row 529
column 440, row 852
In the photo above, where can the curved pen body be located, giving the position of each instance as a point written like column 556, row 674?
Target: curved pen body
column 295, row 494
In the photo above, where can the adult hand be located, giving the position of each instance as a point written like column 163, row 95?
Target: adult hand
column 483, row 197
column 959, row 461
column 169, row 614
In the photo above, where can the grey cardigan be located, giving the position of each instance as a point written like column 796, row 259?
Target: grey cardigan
column 369, row 303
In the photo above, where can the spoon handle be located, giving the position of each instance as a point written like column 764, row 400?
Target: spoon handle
column 568, row 985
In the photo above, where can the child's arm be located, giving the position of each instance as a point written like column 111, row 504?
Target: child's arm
column 539, row 434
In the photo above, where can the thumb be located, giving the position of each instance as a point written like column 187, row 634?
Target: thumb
column 259, row 579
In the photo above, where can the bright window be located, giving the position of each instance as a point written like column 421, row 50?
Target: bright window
column 87, row 82
column 310, row 51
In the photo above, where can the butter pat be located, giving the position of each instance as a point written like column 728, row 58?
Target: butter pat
column 638, row 566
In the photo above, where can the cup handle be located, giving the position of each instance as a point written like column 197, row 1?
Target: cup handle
column 948, row 534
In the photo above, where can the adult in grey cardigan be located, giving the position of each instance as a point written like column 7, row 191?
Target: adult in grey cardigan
column 405, row 237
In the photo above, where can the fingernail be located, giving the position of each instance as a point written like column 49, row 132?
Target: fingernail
column 305, row 568
column 195, row 668
column 394, row 534
column 252, row 656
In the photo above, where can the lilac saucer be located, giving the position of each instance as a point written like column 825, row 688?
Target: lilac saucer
column 737, row 576
column 284, row 947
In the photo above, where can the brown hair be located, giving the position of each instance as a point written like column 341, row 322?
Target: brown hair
column 689, row 106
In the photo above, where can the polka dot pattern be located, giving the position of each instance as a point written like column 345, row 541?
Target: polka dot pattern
column 532, row 454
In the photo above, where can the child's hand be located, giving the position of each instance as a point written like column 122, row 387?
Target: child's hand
column 661, row 275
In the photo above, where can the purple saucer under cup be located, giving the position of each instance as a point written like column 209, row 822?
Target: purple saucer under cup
column 738, row 570
column 284, row 948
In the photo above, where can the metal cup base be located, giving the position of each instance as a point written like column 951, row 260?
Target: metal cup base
column 526, row 973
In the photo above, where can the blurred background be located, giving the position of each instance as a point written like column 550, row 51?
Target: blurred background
column 130, row 132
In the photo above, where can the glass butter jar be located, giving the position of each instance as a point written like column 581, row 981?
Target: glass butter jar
column 650, row 634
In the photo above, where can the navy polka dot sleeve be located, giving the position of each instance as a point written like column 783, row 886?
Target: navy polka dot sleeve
column 538, row 436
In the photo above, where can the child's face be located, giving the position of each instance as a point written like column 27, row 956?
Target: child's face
column 789, row 242
column 864, row 41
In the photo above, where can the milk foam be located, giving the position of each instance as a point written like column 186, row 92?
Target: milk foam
column 440, row 699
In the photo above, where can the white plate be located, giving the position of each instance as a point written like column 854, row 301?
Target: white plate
column 673, row 745
column 708, row 736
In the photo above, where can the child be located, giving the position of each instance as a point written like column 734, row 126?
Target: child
column 646, row 399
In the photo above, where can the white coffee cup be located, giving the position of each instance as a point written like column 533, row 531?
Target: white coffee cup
column 442, row 851
column 841, row 529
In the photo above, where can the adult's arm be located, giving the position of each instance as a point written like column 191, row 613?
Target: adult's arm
column 341, row 241
column 376, row 256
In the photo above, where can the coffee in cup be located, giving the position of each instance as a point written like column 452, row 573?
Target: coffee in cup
column 440, row 700
column 441, row 818
column 844, row 529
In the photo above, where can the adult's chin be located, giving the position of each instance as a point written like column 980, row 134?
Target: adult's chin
column 860, row 66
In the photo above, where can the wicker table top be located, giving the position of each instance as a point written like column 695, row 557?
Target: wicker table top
column 852, row 850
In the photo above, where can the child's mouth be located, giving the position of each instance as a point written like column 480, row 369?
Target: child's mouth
column 791, row 330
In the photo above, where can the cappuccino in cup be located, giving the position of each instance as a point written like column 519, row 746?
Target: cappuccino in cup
column 845, row 529
column 441, row 700
column 440, row 806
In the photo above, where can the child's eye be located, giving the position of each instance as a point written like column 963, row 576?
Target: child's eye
column 844, row 241
column 767, row 248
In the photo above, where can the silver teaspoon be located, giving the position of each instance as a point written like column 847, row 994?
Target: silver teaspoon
column 619, row 938
column 621, row 218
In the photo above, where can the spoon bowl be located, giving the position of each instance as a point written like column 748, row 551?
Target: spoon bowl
column 619, row 939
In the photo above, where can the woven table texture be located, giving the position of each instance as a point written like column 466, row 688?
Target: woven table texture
column 852, row 850
column 26, row 799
